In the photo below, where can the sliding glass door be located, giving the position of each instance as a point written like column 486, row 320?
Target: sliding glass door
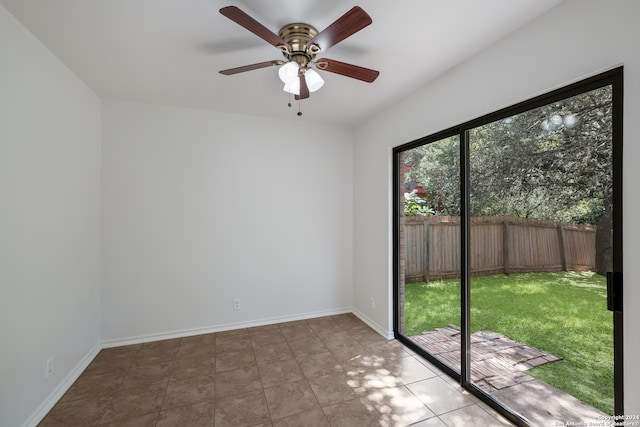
column 508, row 254
column 430, row 215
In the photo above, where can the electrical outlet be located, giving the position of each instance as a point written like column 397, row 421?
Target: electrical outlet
column 373, row 303
column 49, row 369
column 236, row 304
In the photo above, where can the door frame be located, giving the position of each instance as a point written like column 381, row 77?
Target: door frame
column 614, row 78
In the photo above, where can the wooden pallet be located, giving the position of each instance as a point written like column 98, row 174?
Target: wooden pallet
column 497, row 361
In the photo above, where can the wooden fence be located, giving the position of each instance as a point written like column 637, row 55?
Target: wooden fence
column 498, row 245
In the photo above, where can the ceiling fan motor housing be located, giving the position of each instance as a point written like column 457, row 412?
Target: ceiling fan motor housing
column 298, row 36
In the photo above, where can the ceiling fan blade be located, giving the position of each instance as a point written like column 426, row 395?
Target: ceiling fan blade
column 355, row 72
column 257, row 66
column 348, row 24
column 304, row 89
column 241, row 18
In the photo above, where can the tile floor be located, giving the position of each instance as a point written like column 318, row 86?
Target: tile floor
column 329, row 371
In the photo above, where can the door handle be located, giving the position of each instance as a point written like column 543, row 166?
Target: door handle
column 614, row 291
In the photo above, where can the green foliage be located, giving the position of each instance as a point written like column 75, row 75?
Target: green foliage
column 437, row 167
column 416, row 206
column 549, row 163
column 562, row 313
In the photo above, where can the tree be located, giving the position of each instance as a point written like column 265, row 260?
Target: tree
column 436, row 167
column 551, row 163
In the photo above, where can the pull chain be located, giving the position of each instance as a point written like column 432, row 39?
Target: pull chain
column 289, row 104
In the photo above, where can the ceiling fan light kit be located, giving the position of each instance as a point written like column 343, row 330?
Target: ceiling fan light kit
column 289, row 72
column 314, row 82
column 300, row 43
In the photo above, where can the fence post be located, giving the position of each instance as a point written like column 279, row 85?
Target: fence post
column 425, row 250
column 505, row 247
column 563, row 247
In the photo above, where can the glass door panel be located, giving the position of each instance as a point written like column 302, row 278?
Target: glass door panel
column 540, row 245
column 429, row 241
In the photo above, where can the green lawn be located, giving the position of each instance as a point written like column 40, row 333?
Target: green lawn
column 562, row 313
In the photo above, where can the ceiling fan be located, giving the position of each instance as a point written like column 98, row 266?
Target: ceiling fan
column 300, row 43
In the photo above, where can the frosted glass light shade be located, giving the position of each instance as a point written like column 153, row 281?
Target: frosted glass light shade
column 288, row 72
column 293, row 87
column 314, row 81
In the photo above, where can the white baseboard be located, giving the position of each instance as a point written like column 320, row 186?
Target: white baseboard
column 379, row 329
column 221, row 328
column 38, row 415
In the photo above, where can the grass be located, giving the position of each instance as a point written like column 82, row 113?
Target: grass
column 562, row 313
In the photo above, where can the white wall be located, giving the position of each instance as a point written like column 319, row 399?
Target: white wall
column 200, row 208
column 574, row 40
column 49, row 224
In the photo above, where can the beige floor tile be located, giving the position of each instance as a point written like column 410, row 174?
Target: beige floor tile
column 94, row 384
column 146, row 375
column 290, row 399
column 197, row 415
column 262, row 329
column 112, row 361
column 409, row 370
column 389, row 350
column 337, row 340
column 373, row 380
column 334, row 388
column 246, row 409
column 428, row 364
column 231, row 360
column 349, row 352
column 195, row 349
column 135, row 402
column 320, row 324
column 237, row 381
column 456, row 385
column 112, row 351
column 155, row 355
column 502, row 419
column 349, row 320
column 314, row 418
column 471, row 416
column 233, row 342
column 273, row 351
column 306, row 346
column 193, row 367
column 242, row 332
column 147, row 420
column 319, row 364
column 368, row 337
column 439, row 396
column 162, row 344
column 280, row 372
column 355, row 412
column 431, row 422
column 188, row 391
column 201, row 339
column 80, row 412
column 398, row 406
column 293, row 331
column 364, row 363
column 265, row 337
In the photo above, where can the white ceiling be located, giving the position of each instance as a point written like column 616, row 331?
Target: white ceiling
column 170, row 51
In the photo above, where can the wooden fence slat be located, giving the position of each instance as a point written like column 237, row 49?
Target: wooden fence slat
column 505, row 248
column 425, row 251
column 498, row 245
